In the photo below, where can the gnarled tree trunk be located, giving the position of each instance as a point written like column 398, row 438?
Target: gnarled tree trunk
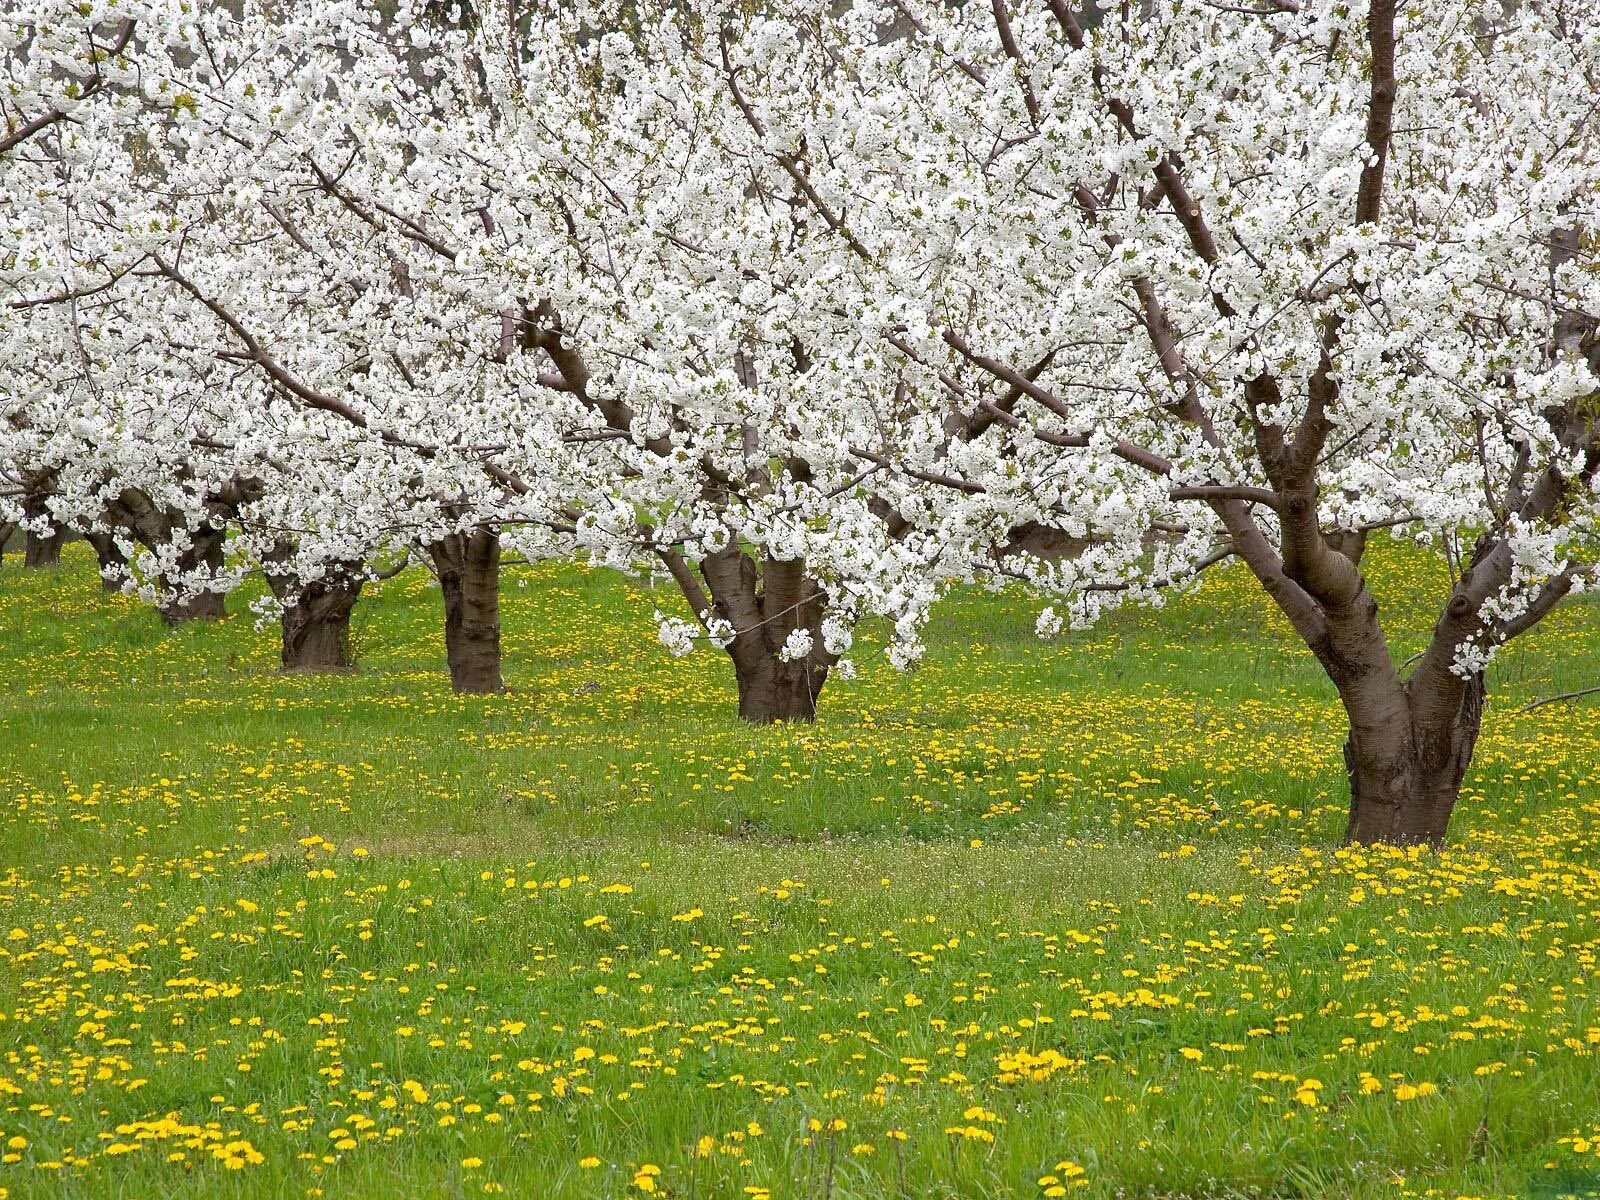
column 156, row 527
column 765, row 605
column 41, row 549
column 771, row 689
column 468, row 566
column 1405, row 779
column 1410, row 740
column 205, row 551
column 44, row 551
column 315, row 622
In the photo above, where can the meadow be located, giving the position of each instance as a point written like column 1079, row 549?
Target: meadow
column 1039, row 919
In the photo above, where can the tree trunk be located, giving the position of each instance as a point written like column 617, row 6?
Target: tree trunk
column 44, row 551
column 468, row 566
column 111, row 560
column 205, row 550
column 1404, row 782
column 773, row 690
column 41, row 550
column 765, row 604
column 316, row 627
column 204, row 606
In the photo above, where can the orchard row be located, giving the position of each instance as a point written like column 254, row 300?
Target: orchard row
column 818, row 312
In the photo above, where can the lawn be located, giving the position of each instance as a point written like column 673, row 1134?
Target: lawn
column 1039, row 919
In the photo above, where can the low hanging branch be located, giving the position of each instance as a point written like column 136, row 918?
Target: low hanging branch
column 1564, row 696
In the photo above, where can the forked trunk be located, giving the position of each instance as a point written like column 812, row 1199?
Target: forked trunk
column 468, row 566
column 765, row 604
column 1410, row 740
column 1404, row 783
column 44, row 551
column 316, row 627
column 773, row 690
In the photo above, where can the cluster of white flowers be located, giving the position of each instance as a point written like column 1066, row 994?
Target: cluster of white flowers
column 676, row 634
column 796, row 646
column 810, row 311
column 1049, row 624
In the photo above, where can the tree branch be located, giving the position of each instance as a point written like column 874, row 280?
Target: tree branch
column 1380, row 109
column 50, row 116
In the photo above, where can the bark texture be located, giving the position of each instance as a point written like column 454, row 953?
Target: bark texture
column 1405, row 778
column 468, row 567
column 43, row 551
column 773, row 690
column 113, row 563
column 155, row 527
column 315, row 622
column 765, row 603
column 204, row 553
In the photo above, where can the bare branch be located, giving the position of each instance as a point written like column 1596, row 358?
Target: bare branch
column 1380, row 109
column 1577, row 695
column 1217, row 491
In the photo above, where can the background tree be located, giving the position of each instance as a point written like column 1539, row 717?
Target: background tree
column 552, row 346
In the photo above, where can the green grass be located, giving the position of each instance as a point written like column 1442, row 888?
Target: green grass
column 1079, row 902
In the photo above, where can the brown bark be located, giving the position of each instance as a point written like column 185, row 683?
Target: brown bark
column 155, row 527
column 468, row 566
column 315, row 622
column 1043, row 542
column 764, row 604
column 44, row 551
column 111, row 559
column 773, row 690
column 41, row 550
column 1405, row 778
column 204, row 606
column 204, row 552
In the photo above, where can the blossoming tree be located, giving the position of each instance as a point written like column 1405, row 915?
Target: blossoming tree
column 1232, row 281
column 148, row 415
column 659, row 314
column 533, row 319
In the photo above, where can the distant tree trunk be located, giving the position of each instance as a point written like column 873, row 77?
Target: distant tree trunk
column 468, row 566
column 111, row 559
column 315, row 623
column 7, row 530
column 1043, row 542
column 765, row 604
column 41, row 550
column 44, row 551
column 156, row 527
column 204, row 552
column 316, row 631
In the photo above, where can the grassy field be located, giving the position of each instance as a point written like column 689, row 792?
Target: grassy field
column 1038, row 920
